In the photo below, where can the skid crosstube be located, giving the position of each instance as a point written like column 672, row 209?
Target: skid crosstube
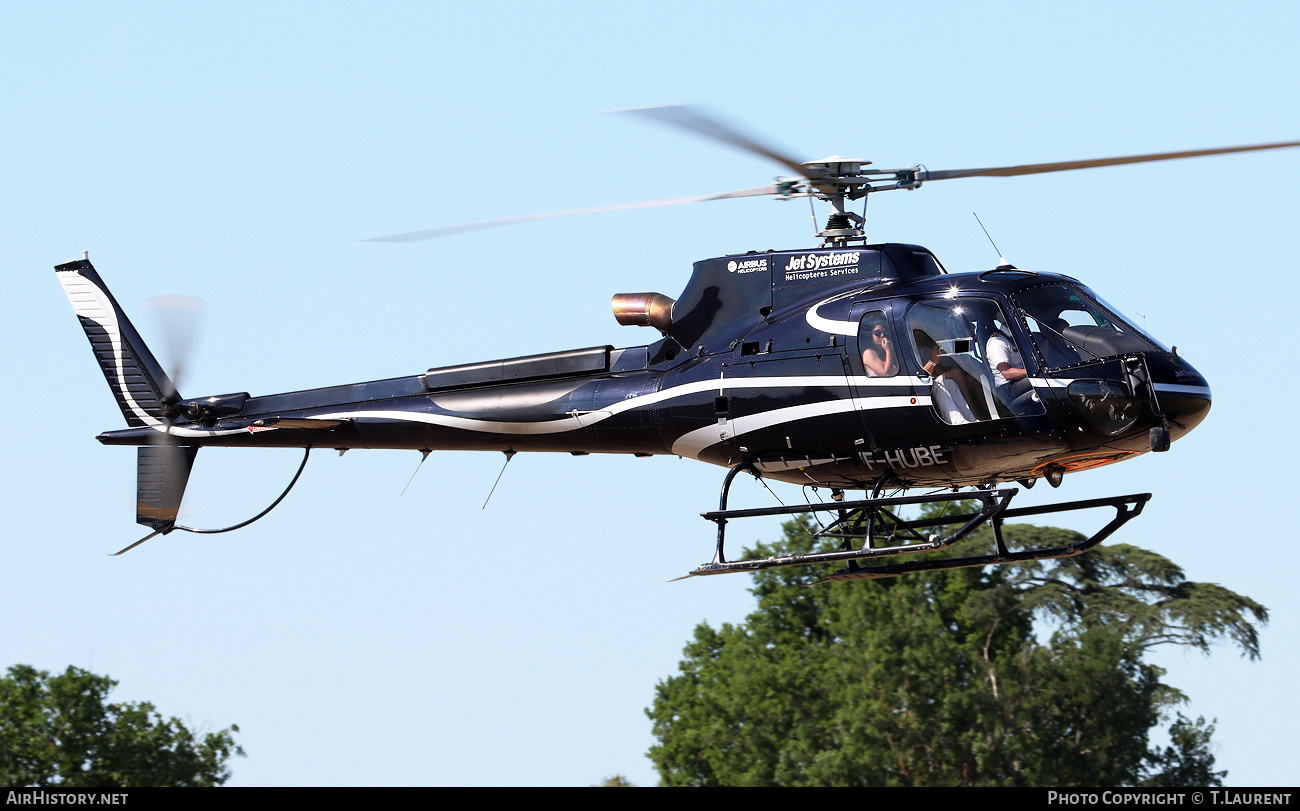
column 882, row 534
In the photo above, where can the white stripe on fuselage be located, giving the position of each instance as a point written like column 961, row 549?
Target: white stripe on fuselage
column 752, row 422
column 1167, row 388
column 580, row 420
column 693, row 442
column 1178, row 388
column 819, row 322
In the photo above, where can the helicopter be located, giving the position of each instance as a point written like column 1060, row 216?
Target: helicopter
column 850, row 366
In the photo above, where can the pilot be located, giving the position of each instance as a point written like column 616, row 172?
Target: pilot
column 1010, row 380
column 878, row 356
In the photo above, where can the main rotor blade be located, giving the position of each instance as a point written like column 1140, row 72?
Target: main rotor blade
column 692, row 119
column 449, row 230
column 1065, row 166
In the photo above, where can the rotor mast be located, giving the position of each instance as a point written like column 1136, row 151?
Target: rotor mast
column 839, row 181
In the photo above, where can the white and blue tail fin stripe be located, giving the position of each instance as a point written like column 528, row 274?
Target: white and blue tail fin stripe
column 134, row 375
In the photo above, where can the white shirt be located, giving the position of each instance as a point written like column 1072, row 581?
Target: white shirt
column 999, row 350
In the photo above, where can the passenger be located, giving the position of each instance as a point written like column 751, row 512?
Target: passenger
column 878, row 356
column 949, row 399
column 1010, row 379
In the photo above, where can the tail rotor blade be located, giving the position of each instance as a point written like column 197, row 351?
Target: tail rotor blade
column 178, row 318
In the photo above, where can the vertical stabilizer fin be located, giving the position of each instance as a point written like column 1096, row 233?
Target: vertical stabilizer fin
column 138, row 382
column 162, row 471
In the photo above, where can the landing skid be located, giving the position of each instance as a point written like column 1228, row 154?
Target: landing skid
column 869, row 529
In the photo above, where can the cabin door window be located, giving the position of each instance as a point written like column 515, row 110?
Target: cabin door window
column 965, row 349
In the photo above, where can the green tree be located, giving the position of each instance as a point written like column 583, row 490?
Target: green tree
column 62, row 731
column 943, row 678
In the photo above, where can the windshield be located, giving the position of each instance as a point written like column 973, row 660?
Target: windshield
column 1118, row 314
column 1067, row 328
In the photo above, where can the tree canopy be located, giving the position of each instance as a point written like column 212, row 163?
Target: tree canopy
column 61, row 731
column 1027, row 674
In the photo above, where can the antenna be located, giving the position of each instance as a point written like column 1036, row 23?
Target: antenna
column 424, row 454
column 510, row 454
column 1002, row 260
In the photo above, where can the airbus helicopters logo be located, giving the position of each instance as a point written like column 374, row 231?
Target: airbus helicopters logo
column 816, row 265
column 747, row 265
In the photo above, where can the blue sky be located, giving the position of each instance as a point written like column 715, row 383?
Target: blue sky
column 239, row 152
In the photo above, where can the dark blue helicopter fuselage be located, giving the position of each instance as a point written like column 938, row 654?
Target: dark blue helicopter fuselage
column 762, row 363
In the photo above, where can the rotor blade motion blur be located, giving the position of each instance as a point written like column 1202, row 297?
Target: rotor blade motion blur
column 178, row 319
column 835, row 179
column 450, row 230
column 1065, row 166
column 691, row 119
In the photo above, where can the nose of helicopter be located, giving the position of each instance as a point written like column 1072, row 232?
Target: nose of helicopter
column 1182, row 392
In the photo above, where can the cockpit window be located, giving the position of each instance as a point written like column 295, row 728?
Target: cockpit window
column 1067, row 328
column 964, row 347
